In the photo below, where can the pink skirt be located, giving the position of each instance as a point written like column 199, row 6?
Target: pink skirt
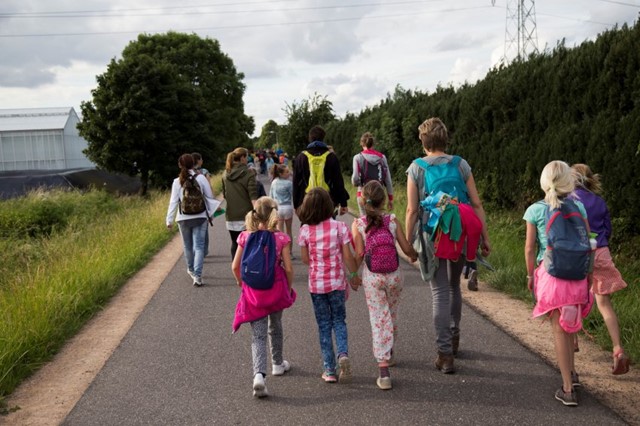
column 553, row 293
column 606, row 277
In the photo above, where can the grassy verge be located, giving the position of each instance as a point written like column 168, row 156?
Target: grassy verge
column 507, row 232
column 57, row 280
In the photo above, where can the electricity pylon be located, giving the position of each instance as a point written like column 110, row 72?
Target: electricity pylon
column 520, row 35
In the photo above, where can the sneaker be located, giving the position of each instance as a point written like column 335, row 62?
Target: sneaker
column 575, row 380
column 472, row 284
column 384, row 383
column 259, row 386
column 279, row 370
column 197, row 281
column 567, row 398
column 345, row 369
column 455, row 344
column 191, row 274
column 329, row 377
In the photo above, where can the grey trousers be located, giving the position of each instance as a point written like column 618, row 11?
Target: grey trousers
column 271, row 325
column 447, row 303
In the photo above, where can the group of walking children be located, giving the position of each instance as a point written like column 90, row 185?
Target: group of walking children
column 568, row 262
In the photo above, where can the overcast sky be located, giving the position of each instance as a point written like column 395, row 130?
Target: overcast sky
column 352, row 51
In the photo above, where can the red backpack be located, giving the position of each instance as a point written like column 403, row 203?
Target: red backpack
column 380, row 252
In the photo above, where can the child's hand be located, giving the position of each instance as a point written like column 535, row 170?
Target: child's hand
column 413, row 256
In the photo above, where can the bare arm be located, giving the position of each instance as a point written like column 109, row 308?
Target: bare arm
column 235, row 266
column 352, row 266
column 413, row 200
column 288, row 267
column 404, row 244
column 530, row 252
column 358, row 244
column 304, row 251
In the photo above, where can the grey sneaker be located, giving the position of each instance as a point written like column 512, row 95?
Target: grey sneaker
column 575, row 380
column 472, row 284
column 569, row 399
column 345, row 369
column 197, row 281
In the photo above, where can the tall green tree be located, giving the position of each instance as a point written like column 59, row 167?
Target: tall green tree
column 269, row 135
column 316, row 110
column 169, row 94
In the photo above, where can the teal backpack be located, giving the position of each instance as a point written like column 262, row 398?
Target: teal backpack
column 444, row 177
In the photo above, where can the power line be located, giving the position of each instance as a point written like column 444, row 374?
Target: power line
column 260, row 25
column 122, row 12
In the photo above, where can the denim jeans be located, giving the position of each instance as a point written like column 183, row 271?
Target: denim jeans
column 331, row 314
column 193, row 232
column 447, row 303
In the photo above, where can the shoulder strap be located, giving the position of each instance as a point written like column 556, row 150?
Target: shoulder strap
column 422, row 163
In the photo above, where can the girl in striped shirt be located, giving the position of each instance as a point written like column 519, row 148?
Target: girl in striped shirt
column 325, row 247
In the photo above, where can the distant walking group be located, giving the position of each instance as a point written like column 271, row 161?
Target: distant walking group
column 445, row 230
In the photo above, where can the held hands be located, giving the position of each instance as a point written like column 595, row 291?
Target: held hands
column 354, row 281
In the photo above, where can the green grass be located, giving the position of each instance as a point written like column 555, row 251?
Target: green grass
column 55, row 282
column 507, row 233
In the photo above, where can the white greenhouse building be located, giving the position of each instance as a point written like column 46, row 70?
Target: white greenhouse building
column 41, row 139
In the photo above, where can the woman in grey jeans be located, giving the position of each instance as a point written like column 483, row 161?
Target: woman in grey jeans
column 443, row 275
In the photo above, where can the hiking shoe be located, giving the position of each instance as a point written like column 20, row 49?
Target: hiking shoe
column 279, row 370
column 575, row 380
column 259, row 386
column 472, row 284
column 329, row 377
column 384, row 383
column 345, row 369
column 444, row 363
column 567, row 398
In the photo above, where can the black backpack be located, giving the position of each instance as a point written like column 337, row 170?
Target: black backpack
column 192, row 201
column 372, row 172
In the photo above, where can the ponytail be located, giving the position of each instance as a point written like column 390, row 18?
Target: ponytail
column 265, row 212
column 186, row 163
column 234, row 158
column 374, row 196
column 557, row 182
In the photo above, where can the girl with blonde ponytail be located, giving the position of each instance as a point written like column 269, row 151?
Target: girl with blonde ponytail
column 566, row 302
column 263, row 308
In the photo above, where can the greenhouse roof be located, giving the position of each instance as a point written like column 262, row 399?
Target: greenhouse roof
column 24, row 119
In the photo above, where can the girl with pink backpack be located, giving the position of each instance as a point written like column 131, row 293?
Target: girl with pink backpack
column 374, row 236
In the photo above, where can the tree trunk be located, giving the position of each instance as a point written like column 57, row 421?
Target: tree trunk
column 144, row 181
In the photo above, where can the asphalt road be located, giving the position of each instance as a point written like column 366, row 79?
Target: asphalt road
column 180, row 365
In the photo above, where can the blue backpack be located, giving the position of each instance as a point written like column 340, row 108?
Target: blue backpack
column 259, row 260
column 568, row 251
column 444, row 177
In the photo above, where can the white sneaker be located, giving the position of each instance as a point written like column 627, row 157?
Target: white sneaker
column 259, row 386
column 279, row 370
column 191, row 274
column 197, row 281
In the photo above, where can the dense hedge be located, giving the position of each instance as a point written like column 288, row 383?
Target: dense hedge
column 577, row 104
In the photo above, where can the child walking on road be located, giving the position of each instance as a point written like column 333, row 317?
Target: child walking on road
column 325, row 247
column 281, row 190
column 566, row 301
column 606, row 277
column 374, row 236
column 263, row 307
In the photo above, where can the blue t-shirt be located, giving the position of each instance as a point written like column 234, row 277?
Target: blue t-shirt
column 536, row 214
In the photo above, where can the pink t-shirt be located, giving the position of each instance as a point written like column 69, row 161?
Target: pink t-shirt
column 326, row 265
column 282, row 240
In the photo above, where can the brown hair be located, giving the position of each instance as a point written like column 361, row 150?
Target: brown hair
column 586, row 178
column 265, row 212
column 433, row 134
column 277, row 170
column 316, row 207
column 367, row 140
column 186, row 163
column 196, row 156
column 234, row 157
column 316, row 133
column 374, row 196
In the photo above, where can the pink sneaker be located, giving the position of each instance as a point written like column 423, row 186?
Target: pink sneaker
column 329, row 377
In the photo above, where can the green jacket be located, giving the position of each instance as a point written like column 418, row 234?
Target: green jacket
column 239, row 189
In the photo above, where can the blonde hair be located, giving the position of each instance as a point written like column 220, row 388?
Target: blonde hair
column 433, row 134
column 557, row 182
column 234, row 157
column 265, row 212
column 586, row 178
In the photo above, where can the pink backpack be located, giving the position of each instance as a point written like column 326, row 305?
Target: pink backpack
column 380, row 252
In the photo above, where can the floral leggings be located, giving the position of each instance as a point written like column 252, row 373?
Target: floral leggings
column 382, row 292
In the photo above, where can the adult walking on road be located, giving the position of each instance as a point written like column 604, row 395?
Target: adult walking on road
column 318, row 166
column 442, row 274
column 192, row 197
column 370, row 165
column 239, row 188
